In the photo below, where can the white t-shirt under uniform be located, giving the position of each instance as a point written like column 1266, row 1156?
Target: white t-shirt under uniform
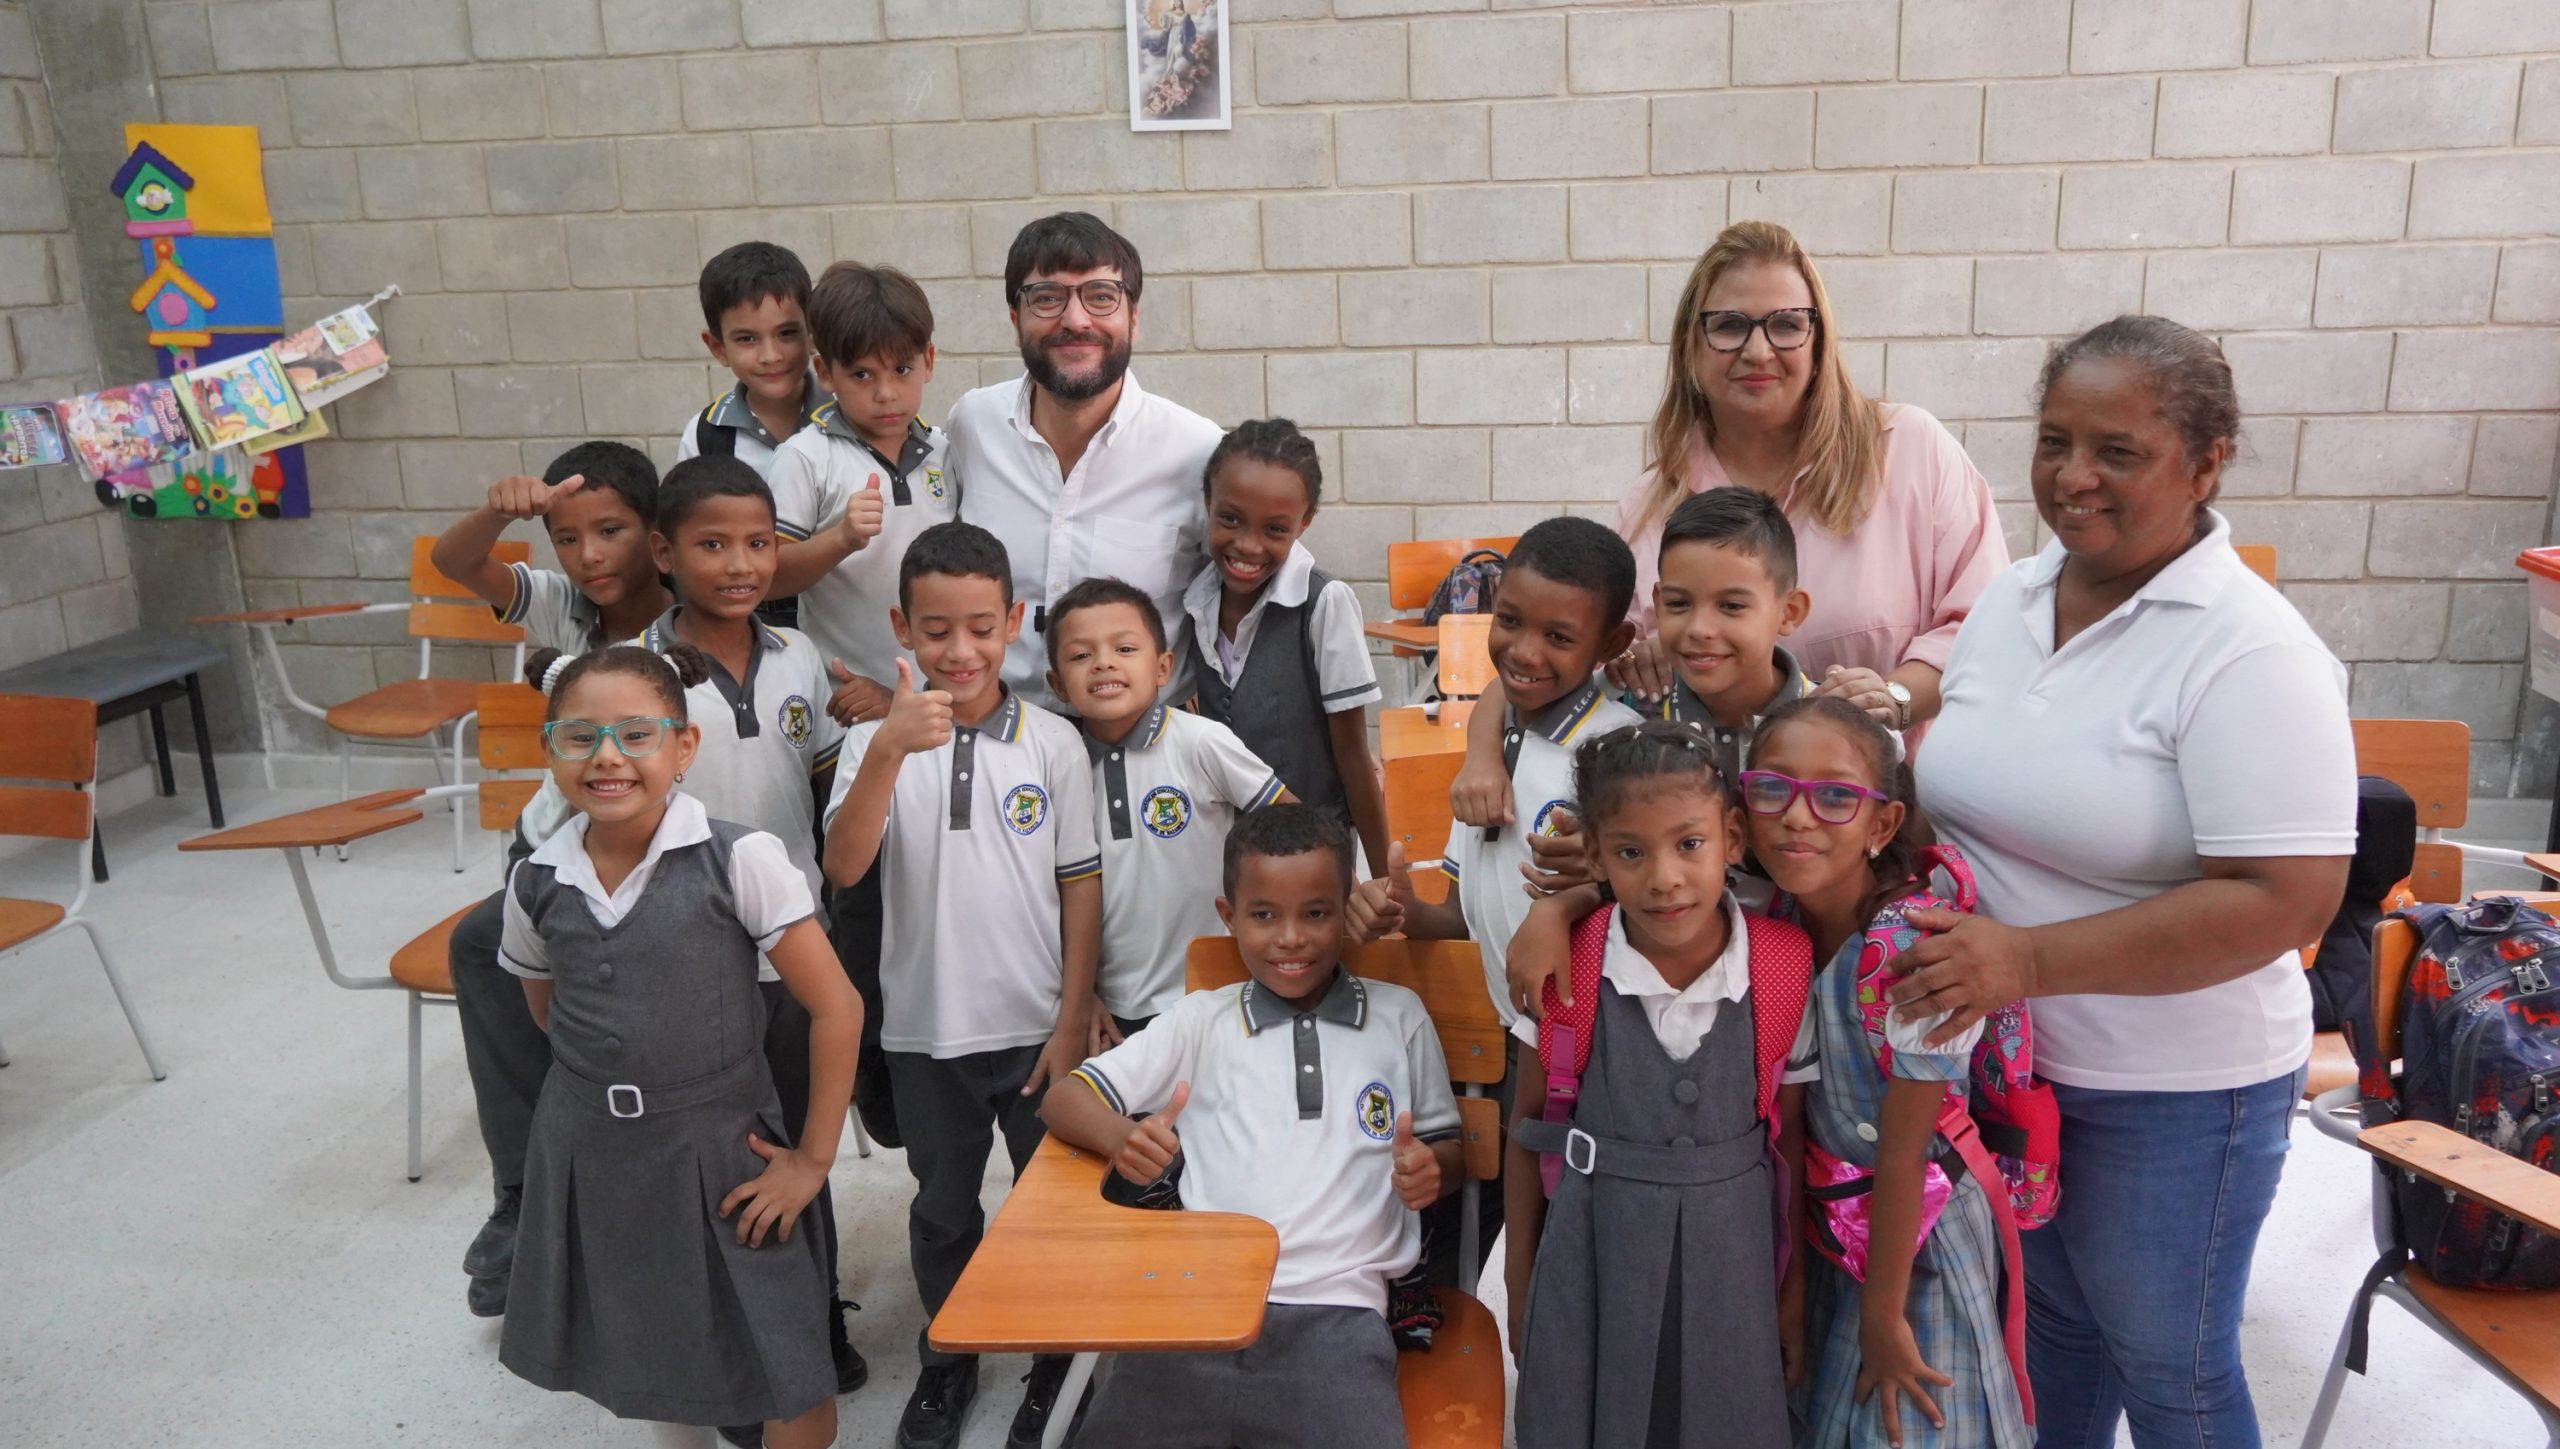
column 1164, row 798
column 815, row 473
column 1292, row 1120
column 982, row 832
column 2202, row 718
column 1492, row 893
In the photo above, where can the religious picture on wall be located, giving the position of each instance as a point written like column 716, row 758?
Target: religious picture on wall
column 1178, row 65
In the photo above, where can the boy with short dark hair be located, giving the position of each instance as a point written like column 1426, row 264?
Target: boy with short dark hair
column 1308, row 1098
column 1167, row 784
column 992, row 918
column 755, row 304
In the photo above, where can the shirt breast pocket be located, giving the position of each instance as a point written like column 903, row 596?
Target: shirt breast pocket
column 1139, row 553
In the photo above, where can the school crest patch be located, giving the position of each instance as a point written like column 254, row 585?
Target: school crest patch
column 1165, row 811
column 1544, row 822
column 933, row 482
column 796, row 720
column 1025, row 806
column 1376, row 1107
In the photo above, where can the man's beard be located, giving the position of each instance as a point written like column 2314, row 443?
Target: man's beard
column 1076, row 388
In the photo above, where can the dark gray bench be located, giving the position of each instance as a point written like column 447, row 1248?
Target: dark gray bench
column 124, row 676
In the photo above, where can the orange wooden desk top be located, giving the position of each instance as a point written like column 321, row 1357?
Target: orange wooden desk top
column 2444, row 1156
column 1062, row 1271
column 1408, row 635
column 2548, row 864
column 1404, row 733
column 279, row 616
column 339, row 824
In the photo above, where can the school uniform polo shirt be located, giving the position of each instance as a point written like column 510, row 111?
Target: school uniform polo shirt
column 551, row 611
column 1131, row 509
column 1164, row 798
column 982, row 832
column 815, row 473
column 1485, row 863
column 756, row 443
column 1292, row 1120
column 771, row 894
column 1345, row 676
column 763, row 739
column 1731, row 746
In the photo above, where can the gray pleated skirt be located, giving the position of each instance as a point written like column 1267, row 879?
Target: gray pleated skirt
column 631, row 1289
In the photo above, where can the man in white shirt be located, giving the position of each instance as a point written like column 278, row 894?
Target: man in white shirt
column 1075, row 468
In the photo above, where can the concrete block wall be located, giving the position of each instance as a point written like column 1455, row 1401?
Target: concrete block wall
column 64, row 577
column 1446, row 234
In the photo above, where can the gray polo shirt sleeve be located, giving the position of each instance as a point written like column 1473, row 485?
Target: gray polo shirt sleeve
column 520, row 947
column 1139, row 1075
column 1079, row 856
column 689, row 442
column 1345, row 677
column 795, row 478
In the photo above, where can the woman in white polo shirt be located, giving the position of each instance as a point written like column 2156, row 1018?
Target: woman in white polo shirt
column 2144, row 752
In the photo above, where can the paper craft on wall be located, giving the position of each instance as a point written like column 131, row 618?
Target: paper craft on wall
column 333, row 356
column 31, row 437
column 239, row 400
column 230, row 484
column 124, row 428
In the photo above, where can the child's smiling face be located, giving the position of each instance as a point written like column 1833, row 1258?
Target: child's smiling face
column 1803, row 854
column 766, row 343
column 1721, row 614
column 609, row 786
column 1547, row 637
column 1256, row 512
column 958, row 626
column 1287, row 920
column 1664, row 851
column 1110, row 667
column 721, row 556
column 602, row 544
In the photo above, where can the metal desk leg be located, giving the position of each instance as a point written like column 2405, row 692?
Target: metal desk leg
column 204, row 750
column 1063, row 1415
column 160, row 748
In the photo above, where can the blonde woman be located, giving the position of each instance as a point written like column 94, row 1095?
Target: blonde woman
column 1895, row 534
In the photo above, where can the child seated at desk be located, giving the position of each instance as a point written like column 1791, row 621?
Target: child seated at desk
column 1308, row 1098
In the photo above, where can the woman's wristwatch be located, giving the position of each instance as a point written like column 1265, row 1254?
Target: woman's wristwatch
column 1901, row 704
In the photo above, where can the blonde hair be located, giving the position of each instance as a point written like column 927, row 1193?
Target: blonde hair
column 1841, row 446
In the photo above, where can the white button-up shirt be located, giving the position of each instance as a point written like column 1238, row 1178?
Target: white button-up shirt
column 1131, row 509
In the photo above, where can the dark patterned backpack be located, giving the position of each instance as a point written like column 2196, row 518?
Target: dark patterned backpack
column 1468, row 588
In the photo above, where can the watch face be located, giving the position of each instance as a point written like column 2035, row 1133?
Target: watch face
column 1898, row 691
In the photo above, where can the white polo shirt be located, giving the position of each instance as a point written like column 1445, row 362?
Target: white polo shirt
column 1346, row 678
column 763, row 739
column 815, row 473
column 1163, row 800
column 771, row 895
column 2202, row 718
column 756, row 443
column 981, row 833
column 1308, row 1151
column 1486, row 863
column 1682, row 1016
column 550, row 610
column 1131, row 510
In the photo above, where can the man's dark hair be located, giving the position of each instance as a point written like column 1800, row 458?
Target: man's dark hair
column 748, row 273
column 1093, row 594
column 962, row 550
column 1286, row 829
column 1738, row 517
column 616, row 468
column 1070, row 241
column 859, row 311
column 1580, row 554
column 697, row 481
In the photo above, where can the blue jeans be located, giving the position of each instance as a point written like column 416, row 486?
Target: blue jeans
column 2134, row 1289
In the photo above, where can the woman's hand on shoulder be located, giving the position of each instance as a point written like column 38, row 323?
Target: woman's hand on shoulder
column 1644, row 670
column 1973, row 966
column 772, row 1200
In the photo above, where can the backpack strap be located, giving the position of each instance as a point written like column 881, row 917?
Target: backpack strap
column 1564, row 1032
column 1781, row 981
column 714, row 440
column 1955, row 1124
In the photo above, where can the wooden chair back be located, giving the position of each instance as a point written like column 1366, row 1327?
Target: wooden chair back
column 2395, row 945
column 2431, row 759
column 1466, row 655
column 510, row 738
column 1449, row 977
column 447, row 612
column 54, row 740
column 1415, row 569
column 426, row 581
column 2260, row 557
column 1418, row 814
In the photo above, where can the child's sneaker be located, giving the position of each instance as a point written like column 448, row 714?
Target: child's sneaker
column 939, row 1406
column 1040, row 1400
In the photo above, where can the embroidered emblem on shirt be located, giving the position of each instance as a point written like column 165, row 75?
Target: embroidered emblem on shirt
column 1025, row 806
column 1165, row 811
column 933, row 481
column 1376, row 1107
column 796, row 721
column 1544, row 822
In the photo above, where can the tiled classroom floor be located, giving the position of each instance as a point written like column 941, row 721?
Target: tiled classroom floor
column 231, row 1259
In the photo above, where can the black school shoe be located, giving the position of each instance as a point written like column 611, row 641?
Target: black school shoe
column 492, row 1253
column 1040, row 1399
column 851, row 1372
column 938, row 1407
column 488, row 1297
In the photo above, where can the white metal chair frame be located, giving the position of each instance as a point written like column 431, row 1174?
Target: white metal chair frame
column 75, row 917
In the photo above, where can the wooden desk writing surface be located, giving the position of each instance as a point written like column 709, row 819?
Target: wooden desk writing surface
column 1062, row 1271
column 1407, row 732
column 1408, row 636
column 339, row 824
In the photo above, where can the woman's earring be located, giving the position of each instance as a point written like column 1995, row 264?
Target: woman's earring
column 680, row 780
column 1872, row 851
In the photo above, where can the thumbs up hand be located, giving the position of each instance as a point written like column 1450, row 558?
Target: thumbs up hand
column 1417, row 1175
column 1150, row 1146
column 1557, row 860
column 523, row 497
column 856, row 699
column 864, row 515
column 1378, row 906
column 918, row 720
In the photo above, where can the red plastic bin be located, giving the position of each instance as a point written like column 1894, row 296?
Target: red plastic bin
column 2542, row 569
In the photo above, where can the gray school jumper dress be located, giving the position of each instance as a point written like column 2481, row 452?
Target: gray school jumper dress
column 1679, row 1192
column 1276, row 705
column 629, row 1288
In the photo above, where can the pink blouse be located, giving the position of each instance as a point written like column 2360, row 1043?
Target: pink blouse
column 1888, row 593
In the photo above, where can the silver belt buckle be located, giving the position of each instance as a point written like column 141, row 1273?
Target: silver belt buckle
column 613, row 1100
column 1589, row 1148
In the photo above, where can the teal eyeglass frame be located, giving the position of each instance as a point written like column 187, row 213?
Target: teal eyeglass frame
column 611, row 732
